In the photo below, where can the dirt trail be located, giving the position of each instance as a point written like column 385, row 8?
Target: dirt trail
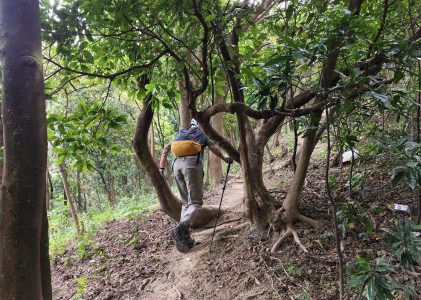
column 180, row 273
column 135, row 259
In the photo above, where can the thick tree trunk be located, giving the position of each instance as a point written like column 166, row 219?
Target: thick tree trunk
column 47, row 292
column 183, row 109
column 257, row 201
column 215, row 165
column 69, row 196
column 1, row 145
column 168, row 202
column 290, row 204
column 22, row 196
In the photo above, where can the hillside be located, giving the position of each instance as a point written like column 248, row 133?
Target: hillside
column 136, row 259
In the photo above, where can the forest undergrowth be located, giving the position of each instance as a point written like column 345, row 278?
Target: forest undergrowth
column 134, row 257
column 63, row 231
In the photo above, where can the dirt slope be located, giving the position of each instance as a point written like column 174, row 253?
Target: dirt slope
column 136, row 259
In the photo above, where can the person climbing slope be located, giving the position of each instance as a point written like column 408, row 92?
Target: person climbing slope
column 188, row 147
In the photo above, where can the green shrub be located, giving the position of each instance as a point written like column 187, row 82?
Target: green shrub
column 372, row 277
column 352, row 215
column 82, row 284
column 62, row 230
column 404, row 245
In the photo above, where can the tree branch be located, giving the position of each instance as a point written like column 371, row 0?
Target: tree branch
column 109, row 76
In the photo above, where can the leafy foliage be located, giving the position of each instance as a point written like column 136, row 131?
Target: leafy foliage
column 62, row 231
column 373, row 278
column 75, row 135
column 352, row 215
column 409, row 153
column 404, row 245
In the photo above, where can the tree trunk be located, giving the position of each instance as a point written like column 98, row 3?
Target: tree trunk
column 152, row 143
column 215, row 165
column 258, row 202
column 1, row 146
column 110, row 181
column 79, row 202
column 106, row 187
column 276, row 141
column 47, row 292
column 290, row 204
column 47, row 193
column 68, row 191
column 289, row 211
column 168, row 202
column 22, row 195
column 183, row 109
column 50, row 186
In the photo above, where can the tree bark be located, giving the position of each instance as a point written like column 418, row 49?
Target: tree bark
column 22, row 196
column 47, row 292
column 183, row 109
column 1, row 146
column 70, row 199
column 152, row 143
column 215, row 165
column 50, row 185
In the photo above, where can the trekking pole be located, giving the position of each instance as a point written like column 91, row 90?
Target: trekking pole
column 220, row 203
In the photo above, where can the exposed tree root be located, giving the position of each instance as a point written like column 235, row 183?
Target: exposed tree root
column 230, row 231
column 285, row 234
column 206, row 214
column 222, row 223
column 313, row 223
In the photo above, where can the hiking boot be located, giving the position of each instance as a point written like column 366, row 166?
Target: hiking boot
column 182, row 238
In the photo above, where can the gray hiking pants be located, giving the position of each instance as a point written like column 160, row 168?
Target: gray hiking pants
column 188, row 173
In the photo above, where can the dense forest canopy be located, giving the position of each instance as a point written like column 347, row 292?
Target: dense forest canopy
column 121, row 77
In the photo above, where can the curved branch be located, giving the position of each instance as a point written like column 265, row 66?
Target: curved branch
column 217, row 138
column 109, row 76
column 268, row 129
column 238, row 107
column 205, row 44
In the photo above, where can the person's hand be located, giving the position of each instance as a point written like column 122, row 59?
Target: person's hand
column 229, row 160
column 162, row 172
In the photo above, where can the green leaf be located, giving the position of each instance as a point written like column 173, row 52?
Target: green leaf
column 115, row 125
column 397, row 174
column 412, row 180
column 121, row 119
column 150, row 87
column 383, row 98
column 209, row 18
column 88, row 56
column 398, row 75
column 60, row 151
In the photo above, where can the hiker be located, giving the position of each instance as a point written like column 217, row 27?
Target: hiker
column 188, row 146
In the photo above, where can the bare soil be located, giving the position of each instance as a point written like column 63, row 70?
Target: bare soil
column 136, row 259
